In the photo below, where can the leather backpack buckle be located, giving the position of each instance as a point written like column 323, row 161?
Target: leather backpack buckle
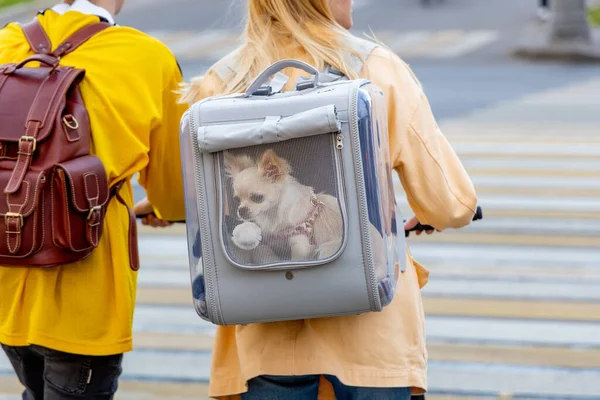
column 10, row 216
column 93, row 217
column 24, row 139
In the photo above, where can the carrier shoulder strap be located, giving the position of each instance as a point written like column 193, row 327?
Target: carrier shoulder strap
column 363, row 48
column 355, row 62
column 227, row 66
column 40, row 43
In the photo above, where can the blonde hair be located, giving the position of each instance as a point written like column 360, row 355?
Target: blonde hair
column 276, row 28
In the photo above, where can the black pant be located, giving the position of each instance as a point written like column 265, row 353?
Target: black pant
column 53, row 375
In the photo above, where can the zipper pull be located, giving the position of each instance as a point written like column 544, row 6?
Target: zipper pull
column 339, row 141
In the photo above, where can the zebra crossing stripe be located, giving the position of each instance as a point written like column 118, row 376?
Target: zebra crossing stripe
column 432, row 43
column 216, row 43
column 444, row 44
column 400, row 41
column 471, row 42
column 170, row 38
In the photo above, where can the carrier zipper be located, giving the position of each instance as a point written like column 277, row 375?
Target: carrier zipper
column 341, row 183
column 204, row 227
column 339, row 141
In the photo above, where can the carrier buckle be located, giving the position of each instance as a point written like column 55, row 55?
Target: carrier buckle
column 263, row 91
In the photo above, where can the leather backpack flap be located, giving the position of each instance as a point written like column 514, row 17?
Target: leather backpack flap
column 30, row 100
column 22, row 224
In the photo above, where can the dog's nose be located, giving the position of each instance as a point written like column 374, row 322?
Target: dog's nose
column 243, row 213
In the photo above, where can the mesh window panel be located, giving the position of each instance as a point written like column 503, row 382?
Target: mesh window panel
column 282, row 203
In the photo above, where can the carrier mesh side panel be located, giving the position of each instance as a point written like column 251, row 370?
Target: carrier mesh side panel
column 193, row 224
column 381, row 200
column 282, row 203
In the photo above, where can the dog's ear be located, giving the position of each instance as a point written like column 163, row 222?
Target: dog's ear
column 272, row 167
column 236, row 164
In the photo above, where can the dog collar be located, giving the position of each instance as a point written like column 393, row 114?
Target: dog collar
column 306, row 227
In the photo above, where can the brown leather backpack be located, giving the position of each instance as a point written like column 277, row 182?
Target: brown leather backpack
column 55, row 192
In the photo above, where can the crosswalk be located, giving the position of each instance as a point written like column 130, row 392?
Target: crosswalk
column 211, row 45
column 513, row 301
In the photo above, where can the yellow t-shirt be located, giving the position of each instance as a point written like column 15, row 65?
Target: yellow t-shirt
column 87, row 307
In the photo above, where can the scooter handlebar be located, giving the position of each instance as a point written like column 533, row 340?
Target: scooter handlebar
column 420, row 228
column 417, row 228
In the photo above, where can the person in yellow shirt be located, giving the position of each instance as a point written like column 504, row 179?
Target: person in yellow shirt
column 65, row 328
column 373, row 355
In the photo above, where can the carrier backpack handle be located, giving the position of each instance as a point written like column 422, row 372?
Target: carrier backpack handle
column 257, row 89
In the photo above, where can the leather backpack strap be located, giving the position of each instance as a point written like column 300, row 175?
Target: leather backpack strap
column 79, row 38
column 40, row 44
column 134, row 257
column 37, row 38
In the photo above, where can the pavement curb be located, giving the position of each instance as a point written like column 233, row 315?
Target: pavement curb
column 536, row 46
column 573, row 52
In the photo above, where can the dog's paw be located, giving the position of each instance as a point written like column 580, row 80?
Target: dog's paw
column 247, row 236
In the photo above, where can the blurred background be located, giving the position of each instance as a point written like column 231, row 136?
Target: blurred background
column 513, row 301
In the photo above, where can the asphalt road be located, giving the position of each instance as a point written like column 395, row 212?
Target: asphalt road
column 459, row 49
column 512, row 304
column 477, row 72
column 495, row 303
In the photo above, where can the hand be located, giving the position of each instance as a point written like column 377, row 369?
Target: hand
column 412, row 223
column 144, row 208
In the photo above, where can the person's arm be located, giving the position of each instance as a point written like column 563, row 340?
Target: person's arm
column 436, row 184
column 162, row 178
column 200, row 88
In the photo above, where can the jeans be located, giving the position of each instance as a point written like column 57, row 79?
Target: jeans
column 307, row 388
column 53, row 375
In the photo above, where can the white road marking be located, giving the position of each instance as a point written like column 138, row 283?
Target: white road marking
column 470, row 42
column 446, row 44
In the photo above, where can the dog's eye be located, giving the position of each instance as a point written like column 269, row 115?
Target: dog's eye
column 257, row 198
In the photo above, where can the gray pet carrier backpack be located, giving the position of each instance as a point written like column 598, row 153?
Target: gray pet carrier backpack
column 291, row 212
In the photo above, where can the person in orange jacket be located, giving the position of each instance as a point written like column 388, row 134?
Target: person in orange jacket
column 373, row 355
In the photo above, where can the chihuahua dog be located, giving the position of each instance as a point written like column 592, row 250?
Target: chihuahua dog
column 273, row 199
